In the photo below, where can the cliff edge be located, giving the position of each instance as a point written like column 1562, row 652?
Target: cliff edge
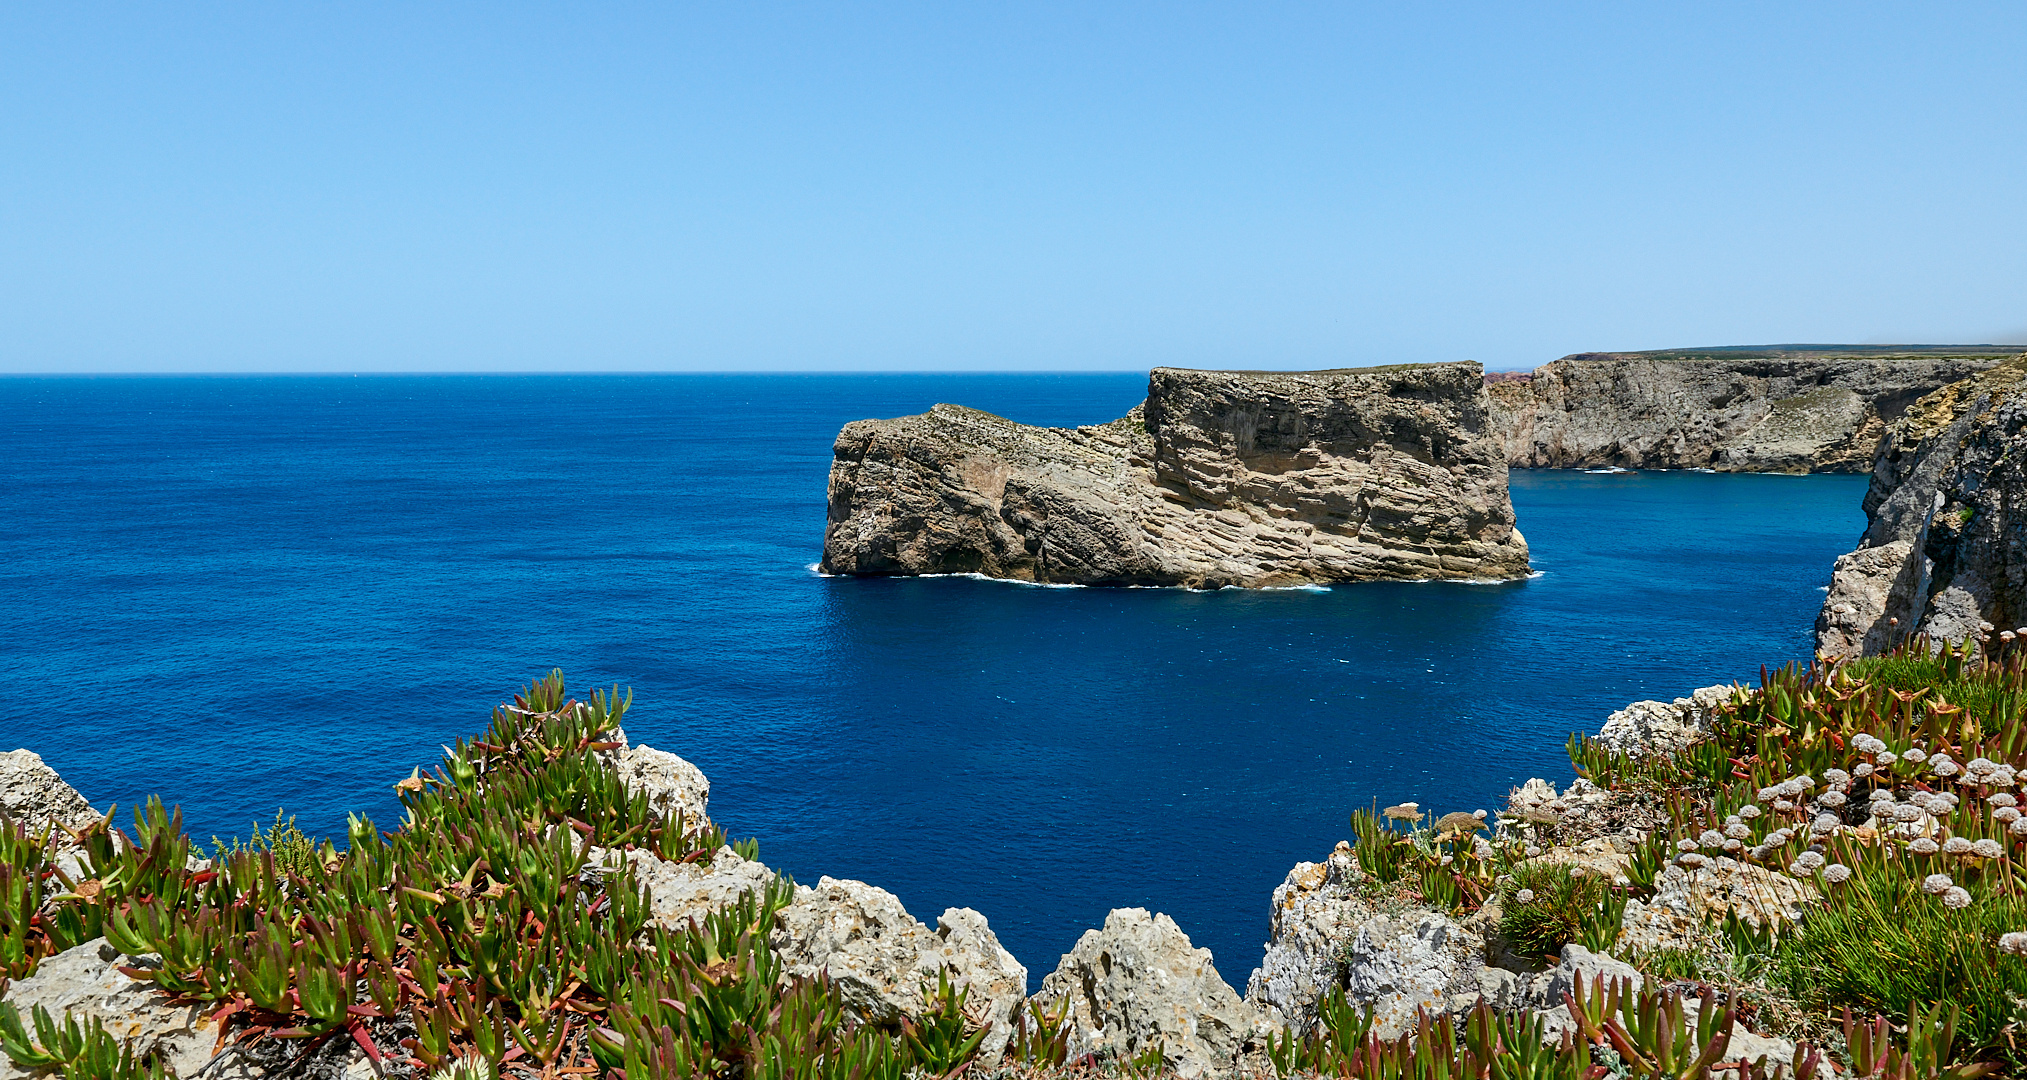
column 1788, row 409
column 1942, row 552
column 1219, row 478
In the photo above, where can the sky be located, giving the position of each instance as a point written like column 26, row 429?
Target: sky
column 1083, row 186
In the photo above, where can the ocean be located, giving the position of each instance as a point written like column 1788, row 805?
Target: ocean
column 251, row 593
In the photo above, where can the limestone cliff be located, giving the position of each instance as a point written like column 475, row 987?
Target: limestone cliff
column 1791, row 409
column 1220, row 478
column 1942, row 551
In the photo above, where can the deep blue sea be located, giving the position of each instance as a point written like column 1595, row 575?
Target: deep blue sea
column 251, row 593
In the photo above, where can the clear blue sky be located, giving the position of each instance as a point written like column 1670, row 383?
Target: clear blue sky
column 362, row 187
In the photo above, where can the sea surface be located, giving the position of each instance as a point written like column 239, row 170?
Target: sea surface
column 252, row 593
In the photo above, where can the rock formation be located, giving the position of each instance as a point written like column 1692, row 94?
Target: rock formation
column 1220, row 478
column 1138, row 983
column 883, row 960
column 1941, row 551
column 1783, row 409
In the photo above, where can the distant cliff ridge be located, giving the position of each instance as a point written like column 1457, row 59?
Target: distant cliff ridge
column 1220, row 478
column 1790, row 408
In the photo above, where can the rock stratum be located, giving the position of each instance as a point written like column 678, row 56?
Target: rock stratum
column 1220, row 478
column 1785, row 409
column 1942, row 551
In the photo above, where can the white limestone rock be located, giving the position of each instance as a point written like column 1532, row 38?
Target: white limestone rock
column 1309, row 922
column 87, row 981
column 1582, row 966
column 1647, row 728
column 35, row 796
column 1139, row 982
column 1416, row 960
column 881, row 957
column 671, row 784
column 680, row 892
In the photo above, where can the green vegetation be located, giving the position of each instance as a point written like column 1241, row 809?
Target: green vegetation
column 479, row 938
column 1546, row 906
column 1892, row 785
column 478, row 925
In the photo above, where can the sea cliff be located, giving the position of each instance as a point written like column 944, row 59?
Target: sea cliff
column 1219, row 478
column 1942, row 554
column 1789, row 409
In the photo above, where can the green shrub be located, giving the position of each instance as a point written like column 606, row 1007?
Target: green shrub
column 1545, row 907
column 1882, row 946
column 293, row 851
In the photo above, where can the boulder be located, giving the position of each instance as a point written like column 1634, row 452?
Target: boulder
column 1650, row 728
column 1582, row 966
column 1311, row 917
column 87, row 981
column 1138, row 983
column 680, row 892
column 34, row 795
column 882, row 958
column 671, row 784
column 1399, row 964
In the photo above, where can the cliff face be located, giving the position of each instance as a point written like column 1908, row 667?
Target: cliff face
column 1943, row 550
column 1220, row 478
column 1775, row 410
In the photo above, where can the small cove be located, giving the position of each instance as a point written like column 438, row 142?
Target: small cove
column 245, row 593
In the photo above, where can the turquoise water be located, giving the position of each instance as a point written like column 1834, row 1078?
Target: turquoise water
column 245, row 593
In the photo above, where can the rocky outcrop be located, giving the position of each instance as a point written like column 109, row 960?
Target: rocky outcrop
column 1942, row 552
column 1401, row 965
column 1137, row 984
column 882, row 959
column 1306, row 924
column 1660, row 728
column 87, row 981
column 1220, row 478
column 33, row 795
column 672, row 786
column 1782, row 409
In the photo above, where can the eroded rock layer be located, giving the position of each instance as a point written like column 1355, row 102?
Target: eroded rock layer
column 1942, row 551
column 1220, row 478
column 1783, row 409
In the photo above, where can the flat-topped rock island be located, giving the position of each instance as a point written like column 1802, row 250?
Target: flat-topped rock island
column 1221, row 478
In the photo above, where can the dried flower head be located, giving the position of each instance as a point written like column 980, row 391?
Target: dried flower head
column 1836, row 873
column 1956, row 845
column 1832, row 799
column 1923, row 846
column 1710, row 838
column 1936, row 884
column 2014, row 943
column 2006, row 815
column 1987, row 848
column 1524, row 896
column 1748, row 812
column 1886, row 757
column 1956, row 898
column 2002, row 798
column 1685, row 844
column 1690, row 859
column 1861, row 770
column 1915, row 754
